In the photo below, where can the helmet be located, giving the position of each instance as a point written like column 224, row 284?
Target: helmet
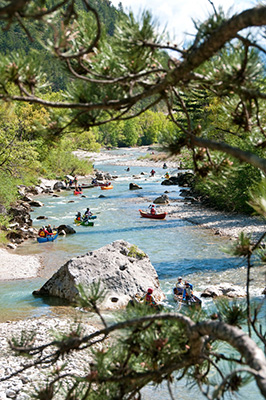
column 150, row 290
column 153, row 205
column 180, row 277
column 87, row 208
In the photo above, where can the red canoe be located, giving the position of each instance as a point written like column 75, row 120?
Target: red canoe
column 153, row 216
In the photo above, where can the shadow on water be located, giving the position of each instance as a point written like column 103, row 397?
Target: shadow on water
column 191, row 266
column 152, row 226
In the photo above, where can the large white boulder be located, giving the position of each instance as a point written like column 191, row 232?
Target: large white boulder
column 122, row 268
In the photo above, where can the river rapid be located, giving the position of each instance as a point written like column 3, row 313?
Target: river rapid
column 175, row 247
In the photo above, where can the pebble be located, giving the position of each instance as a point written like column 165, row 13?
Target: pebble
column 21, row 386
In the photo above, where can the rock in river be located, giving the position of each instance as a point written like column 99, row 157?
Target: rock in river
column 224, row 289
column 122, row 268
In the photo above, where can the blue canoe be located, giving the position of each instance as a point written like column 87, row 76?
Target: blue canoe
column 49, row 238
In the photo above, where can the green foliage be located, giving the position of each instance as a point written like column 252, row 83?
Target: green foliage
column 136, row 253
column 232, row 312
column 85, row 140
column 89, row 297
column 9, row 189
column 60, row 162
column 228, row 186
column 23, row 341
column 258, row 198
column 242, row 247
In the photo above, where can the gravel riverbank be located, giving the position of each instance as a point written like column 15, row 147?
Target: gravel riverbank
column 23, row 385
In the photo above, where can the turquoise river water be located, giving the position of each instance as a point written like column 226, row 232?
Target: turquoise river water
column 175, row 247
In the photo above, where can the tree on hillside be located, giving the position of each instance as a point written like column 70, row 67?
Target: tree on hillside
column 116, row 80
column 109, row 78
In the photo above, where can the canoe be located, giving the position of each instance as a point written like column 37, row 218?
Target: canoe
column 48, row 238
column 77, row 192
column 83, row 186
column 107, row 187
column 193, row 302
column 84, row 223
column 99, row 184
column 152, row 216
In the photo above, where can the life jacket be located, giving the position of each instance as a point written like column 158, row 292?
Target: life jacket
column 153, row 211
column 148, row 298
column 42, row 233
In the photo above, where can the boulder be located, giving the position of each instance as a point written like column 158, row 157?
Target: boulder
column 224, row 289
column 103, row 176
column 163, row 199
column 134, row 186
column 182, row 179
column 68, row 230
column 59, row 185
column 27, row 198
column 36, row 203
column 122, row 268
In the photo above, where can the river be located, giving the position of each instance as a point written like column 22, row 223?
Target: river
column 175, row 247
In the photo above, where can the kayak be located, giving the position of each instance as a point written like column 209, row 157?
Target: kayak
column 153, row 216
column 194, row 301
column 84, row 223
column 99, row 184
column 107, row 187
column 91, row 216
column 77, row 192
column 83, row 186
column 48, row 238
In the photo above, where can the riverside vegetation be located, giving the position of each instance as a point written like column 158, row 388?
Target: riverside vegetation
column 122, row 87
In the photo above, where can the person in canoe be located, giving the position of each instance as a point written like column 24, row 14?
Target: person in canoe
column 78, row 216
column 75, row 181
column 188, row 291
column 167, row 176
column 87, row 215
column 179, row 288
column 152, row 209
column 152, row 172
column 148, row 299
column 49, row 229
column 79, row 188
column 43, row 232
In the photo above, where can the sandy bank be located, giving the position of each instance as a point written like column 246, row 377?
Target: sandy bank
column 14, row 266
